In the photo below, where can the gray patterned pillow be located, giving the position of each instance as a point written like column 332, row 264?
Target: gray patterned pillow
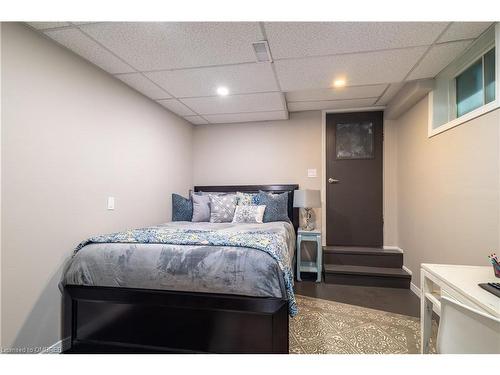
column 276, row 206
column 249, row 214
column 222, row 208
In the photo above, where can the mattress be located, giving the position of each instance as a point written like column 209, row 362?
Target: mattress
column 190, row 267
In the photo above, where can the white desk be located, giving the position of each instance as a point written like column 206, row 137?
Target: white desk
column 458, row 282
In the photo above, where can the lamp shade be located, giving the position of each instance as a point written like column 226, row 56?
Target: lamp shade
column 307, row 198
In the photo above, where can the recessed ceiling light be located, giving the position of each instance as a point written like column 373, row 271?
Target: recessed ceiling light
column 339, row 82
column 222, row 91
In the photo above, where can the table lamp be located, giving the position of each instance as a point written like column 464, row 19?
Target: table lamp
column 307, row 199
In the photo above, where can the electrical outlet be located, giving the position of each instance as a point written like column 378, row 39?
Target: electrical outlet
column 111, row 203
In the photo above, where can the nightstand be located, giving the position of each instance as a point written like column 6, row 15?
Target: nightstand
column 314, row 236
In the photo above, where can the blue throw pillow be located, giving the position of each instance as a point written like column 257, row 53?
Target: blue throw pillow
column 276, row 206
column 182, row 208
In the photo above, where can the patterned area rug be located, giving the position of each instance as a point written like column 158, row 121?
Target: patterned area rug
column 327, row 327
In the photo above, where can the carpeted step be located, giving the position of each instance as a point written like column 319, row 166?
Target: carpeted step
column 370, row 276
column 362, row 256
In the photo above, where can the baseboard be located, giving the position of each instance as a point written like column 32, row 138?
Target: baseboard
column 416, row 290
column 388, row 247
column 58, row 347
column 407, row 269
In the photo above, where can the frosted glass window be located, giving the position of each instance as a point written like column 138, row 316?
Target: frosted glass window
column 470, row 88
column 489, row 76
column 354, row 140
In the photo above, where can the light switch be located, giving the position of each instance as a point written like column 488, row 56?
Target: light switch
column 311, row 172
column 111, row 203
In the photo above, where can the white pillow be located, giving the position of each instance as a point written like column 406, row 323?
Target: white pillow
column 249, row 214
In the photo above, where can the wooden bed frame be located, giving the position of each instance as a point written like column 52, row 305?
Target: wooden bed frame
column 125, row 320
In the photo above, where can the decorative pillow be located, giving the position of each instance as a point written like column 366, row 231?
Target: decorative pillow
column 209, row 193
column 182, row 208
column 245, row 199
column 222, row 208
column 249, row 214
column 201, row 207
column 276, row 206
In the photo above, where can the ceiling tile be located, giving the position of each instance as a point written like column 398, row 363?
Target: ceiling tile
column 239, row 79
column 389, row 94
column 273, row 101
column 79, row 43
column 330, row 104
column 47, row 25
column 177, row 107
column 197, row 120
column 302, row 39
column 336, row 93
column 168, row 45
column 358, row 69
column 144, row 85
column 247, row 117
column 437, row 59
column 464, row 30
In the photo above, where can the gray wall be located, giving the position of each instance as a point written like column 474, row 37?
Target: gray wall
column 267, row 152
column 72, row 136
column 444, row 201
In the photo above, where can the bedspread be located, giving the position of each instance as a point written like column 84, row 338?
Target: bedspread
column 243, row 259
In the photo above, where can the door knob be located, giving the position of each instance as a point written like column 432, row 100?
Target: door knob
column 333, row 181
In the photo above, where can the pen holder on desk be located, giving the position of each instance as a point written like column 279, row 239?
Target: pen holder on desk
column 496, row 269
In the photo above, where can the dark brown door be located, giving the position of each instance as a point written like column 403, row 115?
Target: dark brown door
column 354, row 179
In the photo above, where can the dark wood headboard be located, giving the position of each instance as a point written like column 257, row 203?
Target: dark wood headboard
column 293, row 213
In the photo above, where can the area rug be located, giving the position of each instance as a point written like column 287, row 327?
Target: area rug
column 327, row 327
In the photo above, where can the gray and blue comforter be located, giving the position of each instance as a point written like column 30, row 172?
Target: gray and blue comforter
column 226, row 258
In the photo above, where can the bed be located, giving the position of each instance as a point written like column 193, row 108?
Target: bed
column 202, row 290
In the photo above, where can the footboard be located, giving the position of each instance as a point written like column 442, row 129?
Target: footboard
column 124, row 320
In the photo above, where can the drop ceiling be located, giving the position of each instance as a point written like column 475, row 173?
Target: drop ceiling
column 180, row 65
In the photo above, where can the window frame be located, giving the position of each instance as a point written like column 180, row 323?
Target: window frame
column 452, row 102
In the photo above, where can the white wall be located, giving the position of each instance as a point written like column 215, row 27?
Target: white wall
column 71, row 136
column 444, row 199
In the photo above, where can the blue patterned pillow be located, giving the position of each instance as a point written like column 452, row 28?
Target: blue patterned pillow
column 276, row 206
column 182, row 208
column 245, row 199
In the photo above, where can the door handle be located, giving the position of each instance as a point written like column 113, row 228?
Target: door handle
column 333, row 181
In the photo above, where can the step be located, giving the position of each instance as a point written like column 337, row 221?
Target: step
column 368, row 276
column 362, row 256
